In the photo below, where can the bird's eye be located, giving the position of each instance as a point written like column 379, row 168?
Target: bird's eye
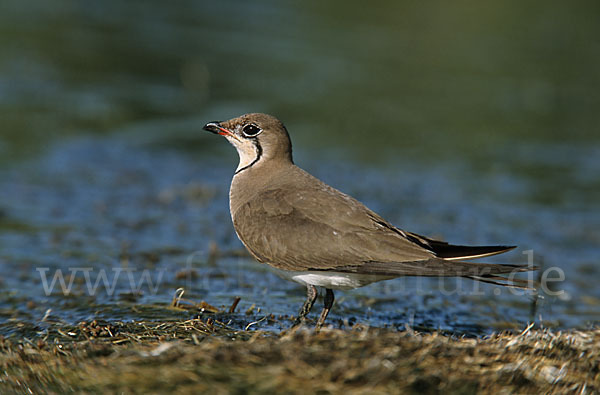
column 251, row 130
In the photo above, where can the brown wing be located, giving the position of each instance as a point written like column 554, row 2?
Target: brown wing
column 309, row 225
column 319, row 228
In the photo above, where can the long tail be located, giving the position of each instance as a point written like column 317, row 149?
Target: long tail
column 439, row 267
column 505, row 282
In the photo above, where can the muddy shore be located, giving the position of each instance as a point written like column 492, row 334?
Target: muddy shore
column 205, row 354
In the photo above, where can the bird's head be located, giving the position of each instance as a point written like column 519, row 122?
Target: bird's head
column 257, row 137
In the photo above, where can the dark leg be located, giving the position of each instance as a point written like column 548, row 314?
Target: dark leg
column 311, row 296
column 329, row 298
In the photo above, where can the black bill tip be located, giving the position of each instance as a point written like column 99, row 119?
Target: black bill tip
column 214, row 127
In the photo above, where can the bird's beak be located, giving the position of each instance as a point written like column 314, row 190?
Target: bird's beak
column 215, row 127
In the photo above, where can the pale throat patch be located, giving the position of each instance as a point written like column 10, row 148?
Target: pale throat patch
column 247, row 151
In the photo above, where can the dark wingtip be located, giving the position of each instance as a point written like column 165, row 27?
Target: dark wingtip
column 212, row 127
column 452, row 252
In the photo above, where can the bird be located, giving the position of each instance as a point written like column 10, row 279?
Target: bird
column 318, row 236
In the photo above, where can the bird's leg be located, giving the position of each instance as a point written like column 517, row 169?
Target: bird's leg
column 328, row 302
column 311, row 296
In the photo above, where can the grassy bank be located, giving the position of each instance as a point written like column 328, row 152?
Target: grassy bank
column 196, row 355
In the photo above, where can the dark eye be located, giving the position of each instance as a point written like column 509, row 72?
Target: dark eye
column 251, row 130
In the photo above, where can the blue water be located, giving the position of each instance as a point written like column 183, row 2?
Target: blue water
column 478, row 125
column 146, row 218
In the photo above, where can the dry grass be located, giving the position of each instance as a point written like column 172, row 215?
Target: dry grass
column 196, row 355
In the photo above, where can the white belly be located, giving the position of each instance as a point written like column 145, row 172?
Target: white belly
column 331, row 280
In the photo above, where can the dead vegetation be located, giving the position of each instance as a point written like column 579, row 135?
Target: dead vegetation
column 205, row 354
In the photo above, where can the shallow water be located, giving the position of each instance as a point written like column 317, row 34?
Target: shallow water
column 478, row 126
column 145, row 218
